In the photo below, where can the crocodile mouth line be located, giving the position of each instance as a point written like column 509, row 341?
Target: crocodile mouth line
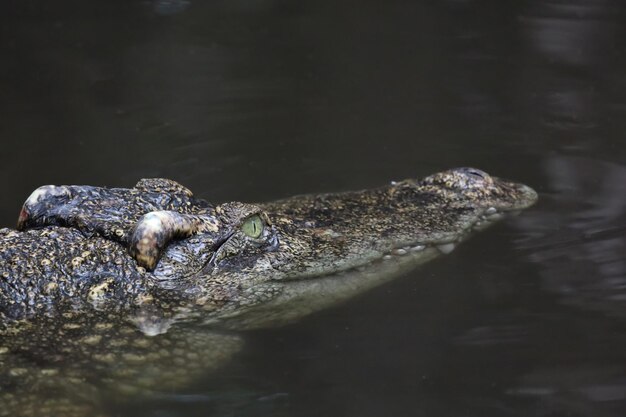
column 415, row 249
column 485, row 220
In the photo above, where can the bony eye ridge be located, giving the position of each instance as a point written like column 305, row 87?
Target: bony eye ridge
column 253, row 226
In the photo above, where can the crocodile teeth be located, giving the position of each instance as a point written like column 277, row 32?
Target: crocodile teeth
column 446, row 248
column 494, row 217
column 418, row 248
column 481, row 225
column 399, row 252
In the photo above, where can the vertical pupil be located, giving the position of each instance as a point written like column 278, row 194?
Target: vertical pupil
column 253, row 227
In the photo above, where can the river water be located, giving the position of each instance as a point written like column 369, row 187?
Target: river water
column 258, row 99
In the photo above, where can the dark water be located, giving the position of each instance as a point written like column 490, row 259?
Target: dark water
column 254, row 100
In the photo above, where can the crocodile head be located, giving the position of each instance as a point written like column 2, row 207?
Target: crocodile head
column 322, row 246
column 273, row 245
column 326, row 233
column 234, row 265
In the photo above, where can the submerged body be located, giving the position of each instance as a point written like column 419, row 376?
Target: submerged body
column 136, row 282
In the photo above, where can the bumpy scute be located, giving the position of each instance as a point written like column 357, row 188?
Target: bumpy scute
column 82, row 318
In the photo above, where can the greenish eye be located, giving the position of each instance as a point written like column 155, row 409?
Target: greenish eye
column 253, row 226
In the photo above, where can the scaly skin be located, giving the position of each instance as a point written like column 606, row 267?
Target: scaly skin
column 80, row 313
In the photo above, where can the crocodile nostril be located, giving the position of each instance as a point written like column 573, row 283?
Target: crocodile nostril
column 477, row 174
column 474, row 173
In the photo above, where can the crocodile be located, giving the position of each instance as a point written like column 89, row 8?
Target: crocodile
column 117, row 293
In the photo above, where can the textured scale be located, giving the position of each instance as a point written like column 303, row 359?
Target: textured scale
column 117, row 293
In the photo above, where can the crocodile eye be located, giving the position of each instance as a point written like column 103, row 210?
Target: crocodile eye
column 253, row 226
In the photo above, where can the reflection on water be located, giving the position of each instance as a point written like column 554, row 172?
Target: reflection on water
column 253, row 100
column 576, row 239
column 561, row 332
column 579, row 235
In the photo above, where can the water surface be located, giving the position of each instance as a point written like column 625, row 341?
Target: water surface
column 259, row 99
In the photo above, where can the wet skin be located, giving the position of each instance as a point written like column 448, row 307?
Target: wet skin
column 136, row 286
